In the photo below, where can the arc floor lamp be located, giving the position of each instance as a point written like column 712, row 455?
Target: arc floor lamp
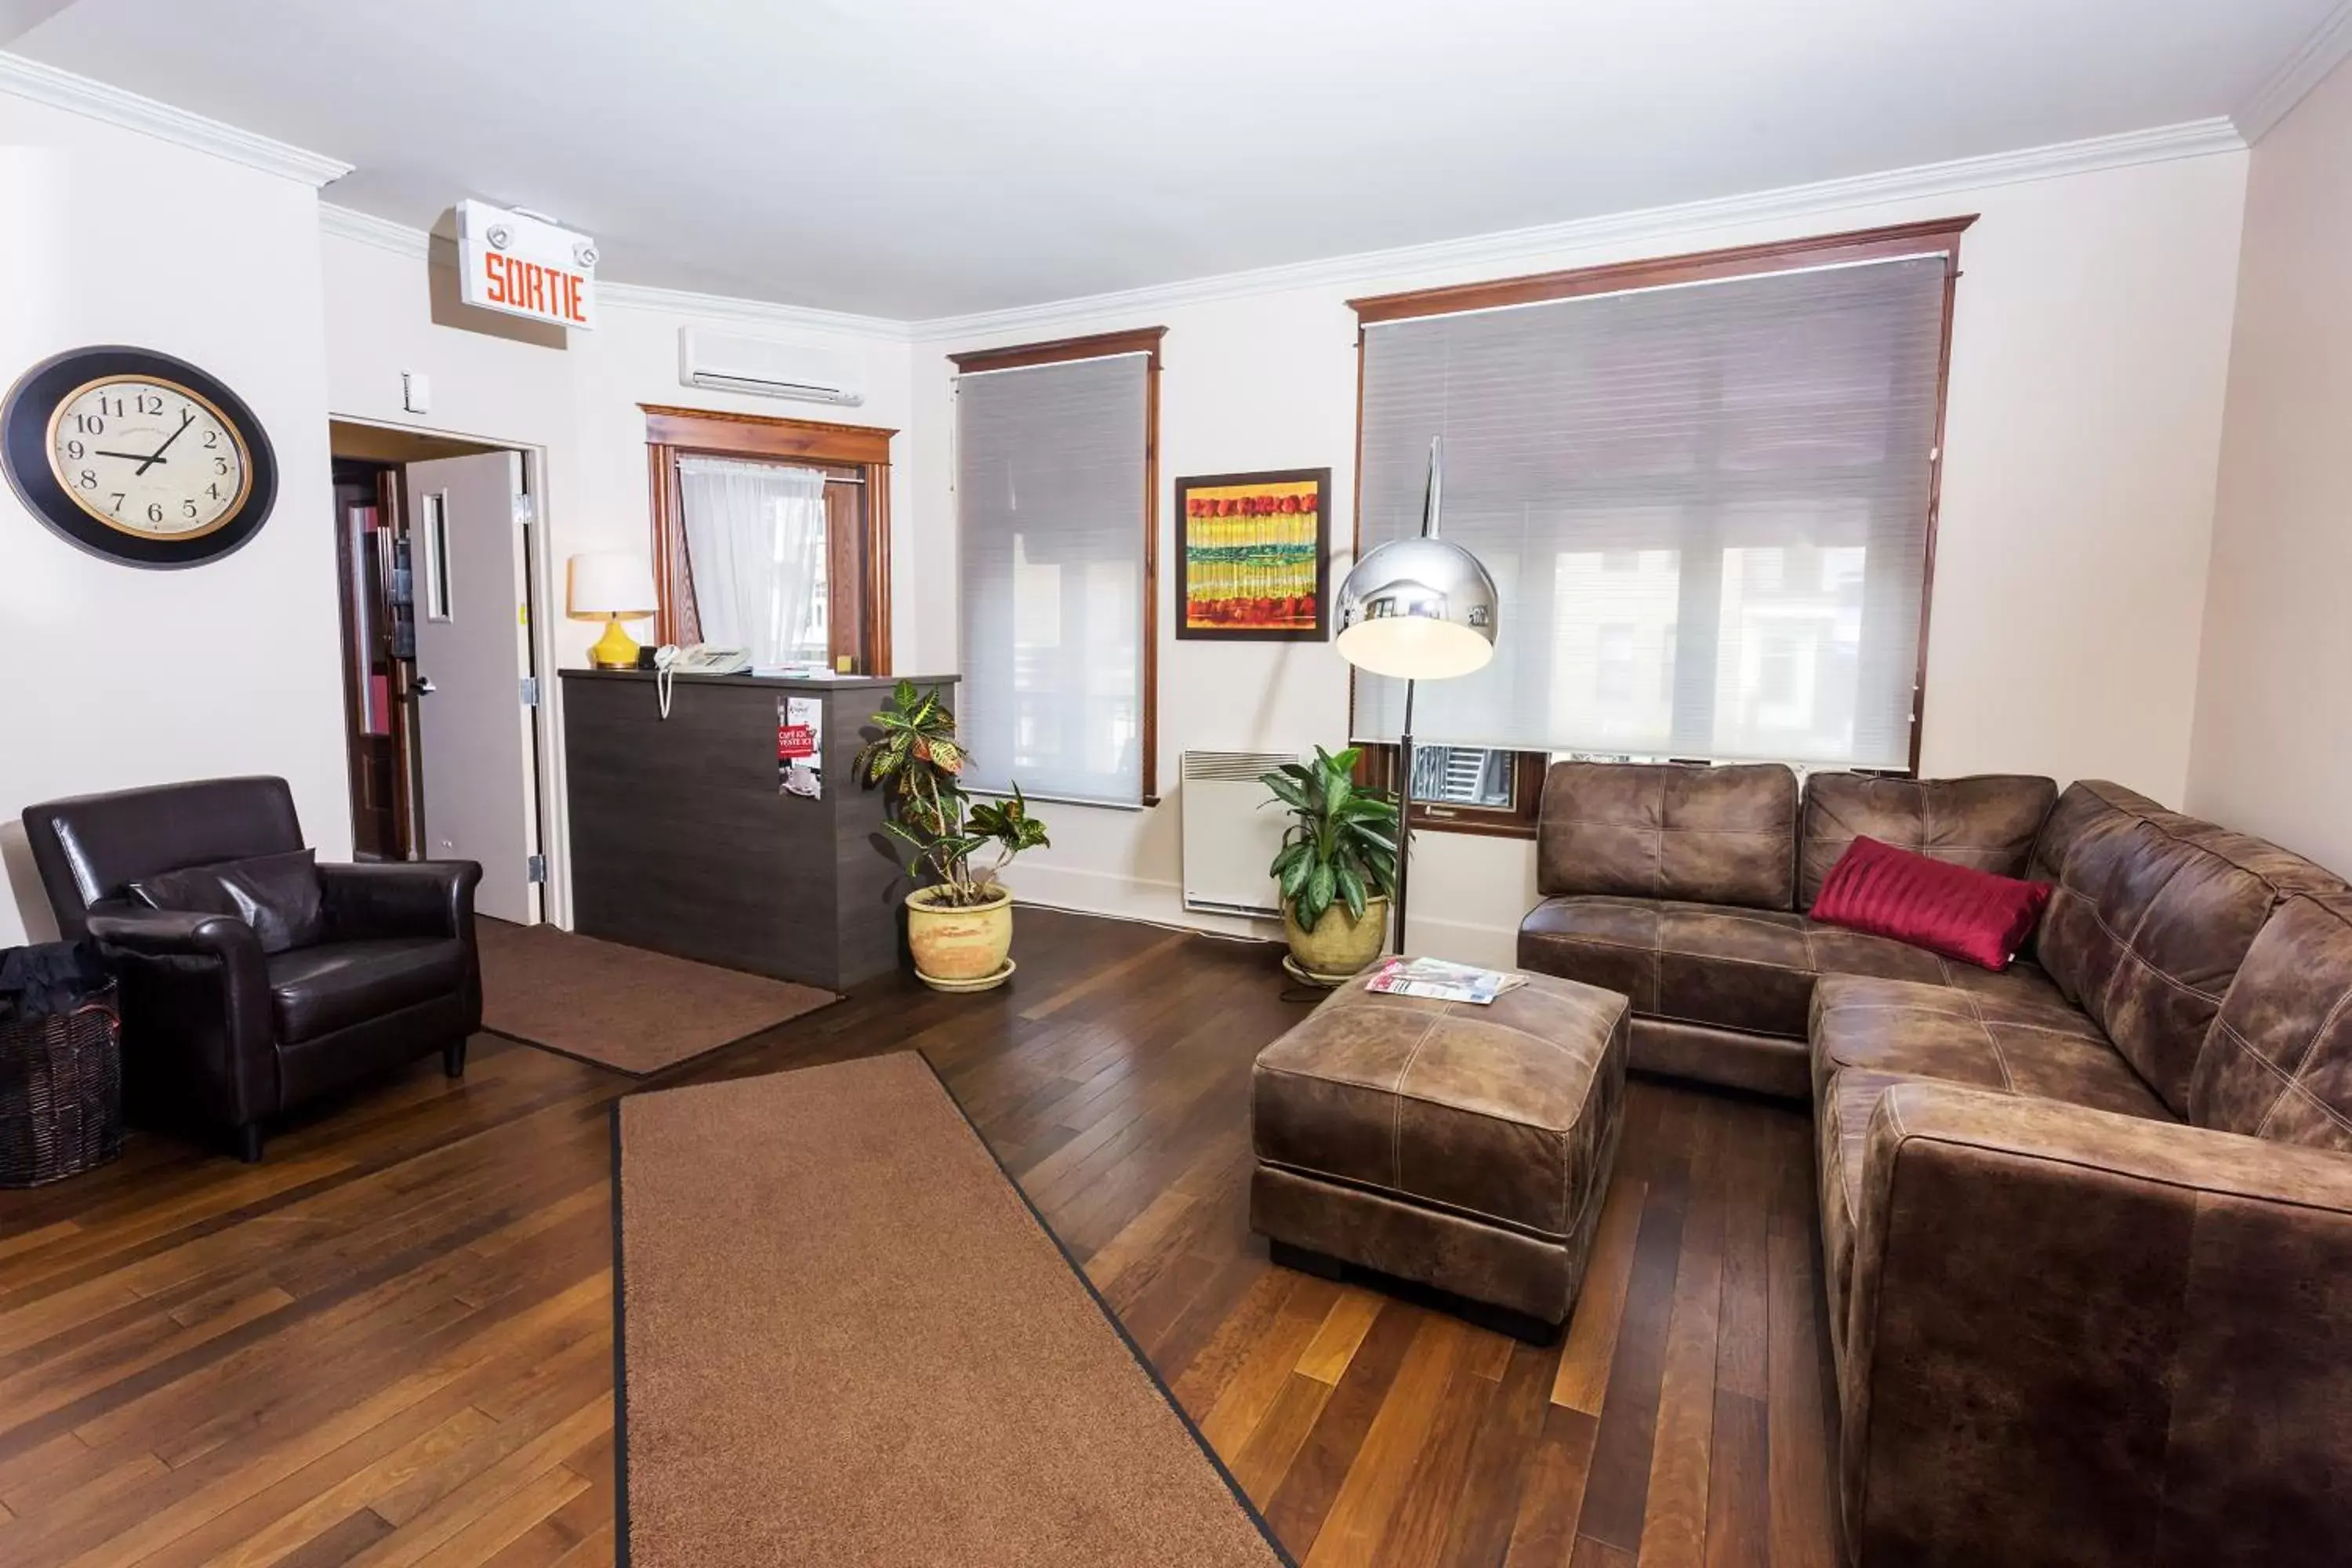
column 1417, row 609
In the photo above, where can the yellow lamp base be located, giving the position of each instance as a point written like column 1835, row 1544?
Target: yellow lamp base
column 617, row 649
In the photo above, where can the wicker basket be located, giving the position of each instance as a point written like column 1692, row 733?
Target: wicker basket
column 60, row 1092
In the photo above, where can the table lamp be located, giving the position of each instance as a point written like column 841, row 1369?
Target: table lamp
column 612, row 586
column 1416, row 609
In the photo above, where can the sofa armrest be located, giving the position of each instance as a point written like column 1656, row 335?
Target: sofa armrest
column 400, row 897
column 2082, row 1338
column 197, row 1029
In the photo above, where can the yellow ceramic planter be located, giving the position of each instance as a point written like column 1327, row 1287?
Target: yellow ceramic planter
column 964, row 948
column 1340, row 945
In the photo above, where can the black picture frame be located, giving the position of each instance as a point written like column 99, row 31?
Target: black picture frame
column 1320, row 630
column 24, row 452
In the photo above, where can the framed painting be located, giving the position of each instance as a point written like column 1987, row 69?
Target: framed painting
column 1253, row 557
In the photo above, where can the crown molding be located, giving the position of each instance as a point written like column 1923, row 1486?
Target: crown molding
column 2193, row 139
column 400, row 239
column 366, row 228
column 726, row 307
column 79, row 94
column 2328, row 46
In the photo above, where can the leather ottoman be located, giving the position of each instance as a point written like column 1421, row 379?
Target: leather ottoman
column 1462, row 1148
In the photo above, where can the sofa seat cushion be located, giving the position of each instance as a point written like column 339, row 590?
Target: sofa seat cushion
column 1505, row 1113
column 315, row 991
column 2017, row 1045
column 1751, row 970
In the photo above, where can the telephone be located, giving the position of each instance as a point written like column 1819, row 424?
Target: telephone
column 702, row 659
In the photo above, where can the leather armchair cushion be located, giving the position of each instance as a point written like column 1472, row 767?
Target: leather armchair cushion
column 2279, row 1063
column 1502, row 1113
column 1752, row 970
column 1986, row 822
column 277, row 895
column 2152, row 913
column 1711, row 834
column 317, row 990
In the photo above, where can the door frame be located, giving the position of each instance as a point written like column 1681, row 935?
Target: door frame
column 546, row 786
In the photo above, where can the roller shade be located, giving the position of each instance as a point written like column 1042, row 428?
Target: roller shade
column 1706, row 506
column 1050, row 507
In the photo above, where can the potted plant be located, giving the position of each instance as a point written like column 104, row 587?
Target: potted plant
column 959, row 917
column 1338, row 866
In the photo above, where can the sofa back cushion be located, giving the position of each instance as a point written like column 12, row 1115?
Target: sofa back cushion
column 1670, row 830
column 2152, row 915
column 2279, row 1062
column 1986, row 822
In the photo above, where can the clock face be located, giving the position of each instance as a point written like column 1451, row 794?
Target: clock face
column 137, row 456
column 149, row 456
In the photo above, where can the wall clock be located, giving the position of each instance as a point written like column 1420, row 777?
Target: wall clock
column 137, row 456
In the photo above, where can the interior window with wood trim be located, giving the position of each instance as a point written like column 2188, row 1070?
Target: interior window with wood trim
column 1056, row 482
column 772, row 535
column 1706, row 489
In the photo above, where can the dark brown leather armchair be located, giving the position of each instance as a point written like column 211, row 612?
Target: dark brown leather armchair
column 213, row 1023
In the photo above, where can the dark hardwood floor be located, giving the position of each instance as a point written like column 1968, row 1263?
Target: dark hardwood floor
column 390, row 1343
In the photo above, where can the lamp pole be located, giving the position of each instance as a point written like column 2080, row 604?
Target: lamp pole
column 1414, row 608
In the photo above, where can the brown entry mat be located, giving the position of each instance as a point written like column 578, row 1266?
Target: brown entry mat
column 623, row 1007
column 845, row 1339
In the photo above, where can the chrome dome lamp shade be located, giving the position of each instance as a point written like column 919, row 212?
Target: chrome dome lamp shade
column 1416, row 609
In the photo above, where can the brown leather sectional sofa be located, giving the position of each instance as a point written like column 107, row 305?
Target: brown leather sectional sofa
column 2086, row 1224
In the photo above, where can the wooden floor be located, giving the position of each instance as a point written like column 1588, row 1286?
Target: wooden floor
column 391, row 1343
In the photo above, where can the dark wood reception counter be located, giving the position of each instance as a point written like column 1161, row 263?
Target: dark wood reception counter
column 684, row 838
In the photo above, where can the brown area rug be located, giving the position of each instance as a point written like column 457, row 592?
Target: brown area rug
column 845, row 1339
column 622, row 1007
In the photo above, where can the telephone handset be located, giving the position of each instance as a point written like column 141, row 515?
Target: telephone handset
column 702, row 659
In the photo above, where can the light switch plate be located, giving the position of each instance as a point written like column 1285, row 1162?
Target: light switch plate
column 415, row 392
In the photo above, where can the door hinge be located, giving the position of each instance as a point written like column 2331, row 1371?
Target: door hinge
column 523, row 511
column 530, row 692
column 535, row 868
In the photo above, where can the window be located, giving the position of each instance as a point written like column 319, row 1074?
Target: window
column 1054, row 479
column 772, row 535
column 1705, row 487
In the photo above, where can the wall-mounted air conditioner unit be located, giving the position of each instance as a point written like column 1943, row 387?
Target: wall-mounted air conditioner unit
column 1229, row 842
column 725, row 362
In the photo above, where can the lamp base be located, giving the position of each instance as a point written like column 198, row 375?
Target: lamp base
column 617, row 649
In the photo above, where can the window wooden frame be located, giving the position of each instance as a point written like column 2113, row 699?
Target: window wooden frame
column 1381, row 767
column 1144, row 341
column 1936, row 238
column 858, row 559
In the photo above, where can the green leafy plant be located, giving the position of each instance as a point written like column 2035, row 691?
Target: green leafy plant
column 1341, row 844
column 916, row 758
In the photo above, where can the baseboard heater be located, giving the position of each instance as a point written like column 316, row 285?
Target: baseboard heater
column 1233, row 829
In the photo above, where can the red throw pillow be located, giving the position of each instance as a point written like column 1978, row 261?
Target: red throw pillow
column 1973, row 916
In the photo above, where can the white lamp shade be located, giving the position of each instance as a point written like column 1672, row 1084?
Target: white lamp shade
column 618, row 584
column 1413, row 648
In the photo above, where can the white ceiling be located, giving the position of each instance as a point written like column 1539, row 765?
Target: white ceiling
column 920, row 158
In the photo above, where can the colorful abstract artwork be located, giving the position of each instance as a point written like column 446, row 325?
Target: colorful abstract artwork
column 1251, row 560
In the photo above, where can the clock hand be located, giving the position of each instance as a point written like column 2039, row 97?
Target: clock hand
column 131, row 457
column 185, row 420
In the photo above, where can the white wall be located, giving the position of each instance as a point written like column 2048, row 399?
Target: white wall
column 2273, row 737
column 2089, row 351
column 113, row 676
column 580, row 403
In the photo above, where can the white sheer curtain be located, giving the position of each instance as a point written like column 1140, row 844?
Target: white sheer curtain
column 755, row 543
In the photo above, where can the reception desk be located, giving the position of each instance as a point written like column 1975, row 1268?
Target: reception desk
column 684, row 840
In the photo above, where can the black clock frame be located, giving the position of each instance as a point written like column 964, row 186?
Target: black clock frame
column 25, row 447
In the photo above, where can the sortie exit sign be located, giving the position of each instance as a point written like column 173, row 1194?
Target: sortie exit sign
column 523, row 266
